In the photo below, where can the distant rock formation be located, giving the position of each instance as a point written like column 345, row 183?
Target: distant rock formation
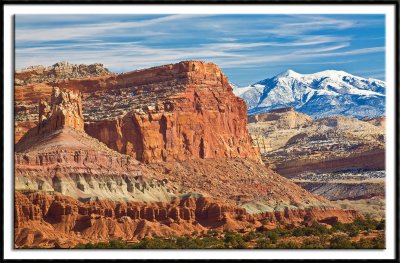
column 272, row 130
column 59, row 71
column 292, row 142
column 63, row 111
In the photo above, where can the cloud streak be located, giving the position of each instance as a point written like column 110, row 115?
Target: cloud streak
column 235, row 42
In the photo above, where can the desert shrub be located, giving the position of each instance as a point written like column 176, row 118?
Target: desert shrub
column 314, row 230
column 272, row 236
column 364, row 243
column 287, row 245
column 380, row 242
column 353, row 231
column 155, row 243
column 234, row 240
column 340, row 242
column 313, row 243
column 264, row 243
column 249, row 236
column 338, row 227
column 210, row 242
column 380, row 225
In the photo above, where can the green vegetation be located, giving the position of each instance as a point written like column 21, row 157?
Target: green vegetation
column 356, row 235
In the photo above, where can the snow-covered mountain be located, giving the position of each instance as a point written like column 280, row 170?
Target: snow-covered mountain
column 321, row 94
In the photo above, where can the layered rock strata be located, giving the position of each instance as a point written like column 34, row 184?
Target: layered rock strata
column 59, row 71
column 194, row 115
column 173, row 112
column 57, row 155
column 292, row 143
column 53, row 220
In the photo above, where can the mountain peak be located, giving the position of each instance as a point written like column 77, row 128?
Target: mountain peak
column 289, row 73
column 320, row 94
column 331, row 72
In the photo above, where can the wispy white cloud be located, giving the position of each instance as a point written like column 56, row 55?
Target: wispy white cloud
column 230, row 41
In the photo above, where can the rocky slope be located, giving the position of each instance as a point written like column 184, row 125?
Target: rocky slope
column 54, row 220
column 239, row 182
column 322, row 94
column 339, row 158
column 295, row 143
column 271, row 131
column 59, row 71
column 57, row 155
column 350, row 185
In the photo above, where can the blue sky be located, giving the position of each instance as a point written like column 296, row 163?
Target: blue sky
column 248, row 48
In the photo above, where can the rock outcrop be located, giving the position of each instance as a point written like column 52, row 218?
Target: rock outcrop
column 59, row 71
column 188, row 111
column 239, row 182
column 292, row 143
column 350, row 185
column 58, row 156
column 63, row 111
column 272, row 130
column 53, row 220
column 173, row 112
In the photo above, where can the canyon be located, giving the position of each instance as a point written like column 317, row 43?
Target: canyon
column 160, row 151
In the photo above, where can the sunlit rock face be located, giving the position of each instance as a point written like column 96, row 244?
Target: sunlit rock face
column 181, row 111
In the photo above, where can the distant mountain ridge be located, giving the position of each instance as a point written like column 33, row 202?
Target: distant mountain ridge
column 321, row 94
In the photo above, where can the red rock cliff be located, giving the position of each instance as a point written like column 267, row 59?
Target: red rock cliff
column 48, row 220
column 173, row 112
column 181, row 111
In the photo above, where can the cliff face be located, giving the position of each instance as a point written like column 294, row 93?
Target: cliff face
column 48, row 220
column 173, row 112
column 198, row 116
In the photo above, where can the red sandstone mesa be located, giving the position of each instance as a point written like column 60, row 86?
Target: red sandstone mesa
column 197, row 116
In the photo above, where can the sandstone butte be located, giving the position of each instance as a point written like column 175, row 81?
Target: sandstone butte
column 180, row 159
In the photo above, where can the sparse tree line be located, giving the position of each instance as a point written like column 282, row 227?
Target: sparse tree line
column 317, row 236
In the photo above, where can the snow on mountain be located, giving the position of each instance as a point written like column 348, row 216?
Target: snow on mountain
column 321, row 94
